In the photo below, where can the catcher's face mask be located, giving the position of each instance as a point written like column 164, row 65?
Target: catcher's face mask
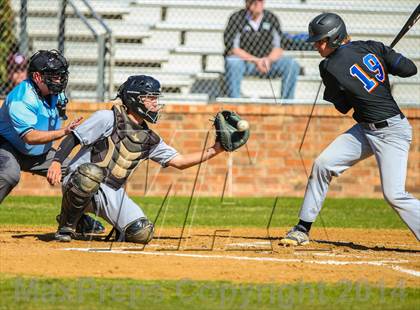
column 140, row 93
column 151, row 107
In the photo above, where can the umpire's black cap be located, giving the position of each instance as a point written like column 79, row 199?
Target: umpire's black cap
column 51, row 61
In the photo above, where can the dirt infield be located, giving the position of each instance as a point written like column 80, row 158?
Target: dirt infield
column 238, row 255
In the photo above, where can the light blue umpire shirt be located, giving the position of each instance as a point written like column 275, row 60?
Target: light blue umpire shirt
column 25, row 110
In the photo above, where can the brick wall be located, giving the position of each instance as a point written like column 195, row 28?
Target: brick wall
column 270, row 166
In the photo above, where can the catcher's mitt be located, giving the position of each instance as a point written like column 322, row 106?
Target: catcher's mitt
column 227, row 133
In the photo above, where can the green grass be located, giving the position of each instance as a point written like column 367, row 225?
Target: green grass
column 209, row 212
column 91, row 293
column 96, row 293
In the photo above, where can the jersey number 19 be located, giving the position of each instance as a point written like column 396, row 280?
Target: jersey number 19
column 375, row 66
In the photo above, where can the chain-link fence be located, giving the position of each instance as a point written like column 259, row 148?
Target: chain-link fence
column 192, row 48
column 8, row 46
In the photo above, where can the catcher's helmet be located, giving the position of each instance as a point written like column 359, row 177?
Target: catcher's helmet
column 327, row 25
column 53, row 67
column 132, row 91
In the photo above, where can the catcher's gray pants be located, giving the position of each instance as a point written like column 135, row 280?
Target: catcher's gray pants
column 390, row 145
column 114, row 206
column 12, row 162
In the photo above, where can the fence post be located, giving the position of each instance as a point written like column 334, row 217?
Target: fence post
column 24, row 40
column 111, row 65
column 62, row 26
column 100, row 90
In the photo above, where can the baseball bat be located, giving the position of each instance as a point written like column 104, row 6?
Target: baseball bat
column 414, row 17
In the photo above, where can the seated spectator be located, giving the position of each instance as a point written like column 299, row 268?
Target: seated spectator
column 252, row 47
column 17, row 66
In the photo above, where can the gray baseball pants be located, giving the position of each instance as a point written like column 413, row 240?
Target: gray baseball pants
column 390, row 145
column 114, row 206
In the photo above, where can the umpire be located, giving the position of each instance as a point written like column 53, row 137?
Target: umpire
column 30, row 121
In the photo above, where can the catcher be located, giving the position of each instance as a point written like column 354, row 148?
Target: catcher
column 113, row 144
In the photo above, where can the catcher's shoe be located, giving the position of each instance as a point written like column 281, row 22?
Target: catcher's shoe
column 87, row 225
column 298, row 235
column 64, row 234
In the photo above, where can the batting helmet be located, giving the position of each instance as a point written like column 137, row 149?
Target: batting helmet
column 330, row 26
column 132, row 91
column 53, row 67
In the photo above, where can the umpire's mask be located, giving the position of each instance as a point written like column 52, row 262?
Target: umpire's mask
column 136, row 90
column 53, row 67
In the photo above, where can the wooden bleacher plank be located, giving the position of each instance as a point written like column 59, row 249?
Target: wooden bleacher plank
column 48, row 28
column 86, row 76
column 308, row 5
column 162, row 39
column 124, row 52
column 51, row 7
column 220, row 27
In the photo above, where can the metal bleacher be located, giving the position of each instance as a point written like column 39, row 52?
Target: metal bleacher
column 181, row 42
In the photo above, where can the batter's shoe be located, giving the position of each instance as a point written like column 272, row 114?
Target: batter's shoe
column 87, row 225
column 64, row 234
column 298, row 235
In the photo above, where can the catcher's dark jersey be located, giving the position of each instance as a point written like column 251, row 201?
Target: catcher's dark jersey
column 356, row 76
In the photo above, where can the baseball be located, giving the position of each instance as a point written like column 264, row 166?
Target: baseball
column 242, row 125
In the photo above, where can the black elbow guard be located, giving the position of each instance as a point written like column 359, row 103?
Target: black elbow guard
column 65, row 148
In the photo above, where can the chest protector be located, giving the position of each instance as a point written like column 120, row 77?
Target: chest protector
column 124, row 149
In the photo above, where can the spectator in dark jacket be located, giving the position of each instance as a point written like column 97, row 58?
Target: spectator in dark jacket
column 252, row 47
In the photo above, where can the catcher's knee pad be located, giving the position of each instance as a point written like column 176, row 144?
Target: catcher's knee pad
column 81, row 187
column 140, row 231
column 87, row 178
